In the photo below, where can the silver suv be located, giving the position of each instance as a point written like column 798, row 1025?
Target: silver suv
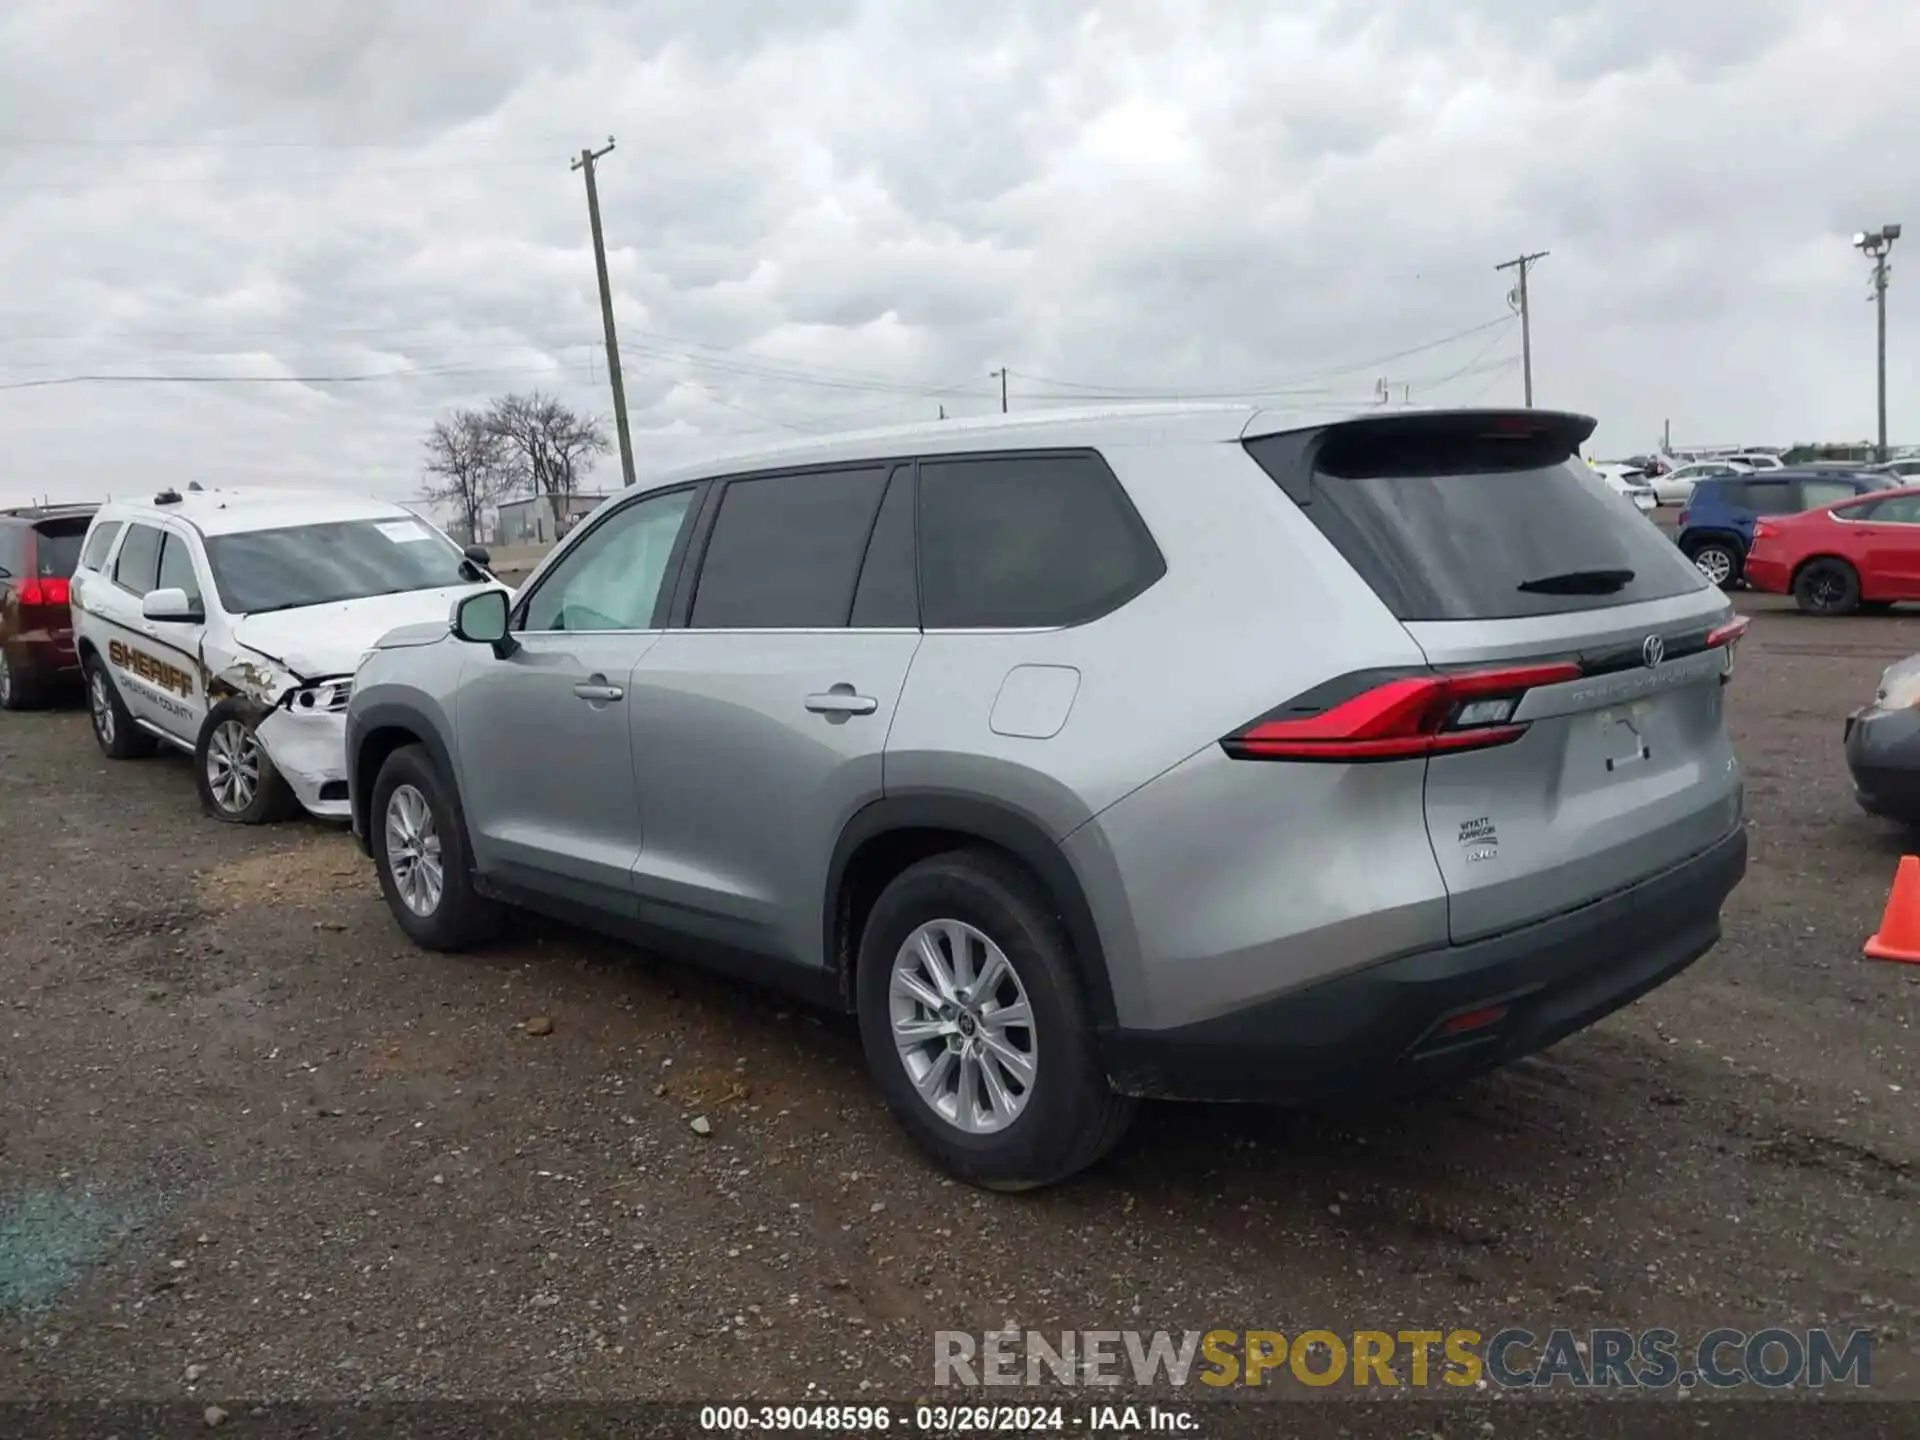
column 1088, row 757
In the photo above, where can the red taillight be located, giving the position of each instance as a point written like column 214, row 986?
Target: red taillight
column 1474, row 1020
column 1729, row 633
column 1685, row 516
column 1763, row 531
column 44, row 592
column 1404, row 717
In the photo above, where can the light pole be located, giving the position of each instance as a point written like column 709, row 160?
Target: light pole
column 1875, row 244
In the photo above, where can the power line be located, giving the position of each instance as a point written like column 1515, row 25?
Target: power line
column 60, row 380
column 1293, row 385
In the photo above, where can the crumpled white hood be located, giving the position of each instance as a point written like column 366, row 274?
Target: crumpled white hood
column 321, row 640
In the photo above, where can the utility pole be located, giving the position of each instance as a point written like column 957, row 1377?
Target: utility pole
column 1002, row 373
column 1523, row 264
column 1875, row 244
column 585, row 165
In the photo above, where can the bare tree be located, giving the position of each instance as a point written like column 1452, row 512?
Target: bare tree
column 468, row 465
column 551, row 446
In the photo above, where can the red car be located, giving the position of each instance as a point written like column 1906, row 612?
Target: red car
column 1858, row 554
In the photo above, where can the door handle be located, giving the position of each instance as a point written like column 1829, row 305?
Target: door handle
column 842, row 702
column 598, row 691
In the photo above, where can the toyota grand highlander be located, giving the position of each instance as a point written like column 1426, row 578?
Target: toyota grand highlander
column 1177, row 753
column 228, row 624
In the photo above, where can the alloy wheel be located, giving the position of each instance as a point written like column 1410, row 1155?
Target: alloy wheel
column 100, row 702
column 963, row 1026
column 1714, row 563
column 413, row 851
column 233, row 765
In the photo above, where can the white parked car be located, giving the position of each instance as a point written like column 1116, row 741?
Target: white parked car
column 228, row 624
column 1626, row 480
column 1676, row 485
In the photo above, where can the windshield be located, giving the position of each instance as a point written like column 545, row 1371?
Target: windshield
column 320, row 564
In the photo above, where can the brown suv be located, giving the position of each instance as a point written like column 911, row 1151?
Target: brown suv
column 39, row 547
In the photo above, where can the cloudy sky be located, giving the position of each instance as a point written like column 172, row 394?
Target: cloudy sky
column 835, row 214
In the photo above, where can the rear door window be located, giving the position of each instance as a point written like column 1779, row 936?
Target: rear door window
column 1762, row 497
column 888, row 596
column 1445, row 523
column 1028, row 541
column 139, row 560
column 99, row 544
column 785, row 552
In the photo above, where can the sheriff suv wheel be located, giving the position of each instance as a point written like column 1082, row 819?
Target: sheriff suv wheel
column 237, row 779
column 113, row 727
column 975, row 1028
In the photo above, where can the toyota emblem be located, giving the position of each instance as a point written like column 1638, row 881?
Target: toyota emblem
column 1653, row 650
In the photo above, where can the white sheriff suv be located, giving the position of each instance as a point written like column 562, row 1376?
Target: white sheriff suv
column 228, row 624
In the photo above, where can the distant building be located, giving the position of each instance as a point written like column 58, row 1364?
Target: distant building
column 530, row 521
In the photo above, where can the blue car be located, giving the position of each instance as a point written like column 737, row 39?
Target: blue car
column 1716, row 527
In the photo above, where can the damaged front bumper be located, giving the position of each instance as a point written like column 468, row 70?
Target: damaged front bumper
column 309, row 749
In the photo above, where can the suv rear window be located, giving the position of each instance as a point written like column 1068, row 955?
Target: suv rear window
column 1447, row 522
column 57, row 545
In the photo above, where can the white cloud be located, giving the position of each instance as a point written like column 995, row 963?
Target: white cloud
column 850, row 213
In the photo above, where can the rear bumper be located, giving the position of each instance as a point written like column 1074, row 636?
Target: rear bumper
column 45, row 655
column 1766, row 575
column 1378, row 1030
column 1883, row 752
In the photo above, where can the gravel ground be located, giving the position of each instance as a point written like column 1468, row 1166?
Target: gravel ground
column 255, row 1144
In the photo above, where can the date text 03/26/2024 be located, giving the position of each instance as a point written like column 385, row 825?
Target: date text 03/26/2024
column 959, row 1419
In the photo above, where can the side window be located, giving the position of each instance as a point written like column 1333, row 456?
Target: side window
column 1816, row 493
column 1767, row 497
column 139, row 560
column 1894, row 510
column 13, row 552
column 99, row 543
column 1028, row 540
column 888, row 596
column 176, row 567
column 611, row 580
column 785, row 551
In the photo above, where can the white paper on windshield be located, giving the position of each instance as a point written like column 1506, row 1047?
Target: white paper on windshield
column 405, row 532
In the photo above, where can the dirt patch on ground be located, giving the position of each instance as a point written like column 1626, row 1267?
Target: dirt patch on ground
column 315, row 873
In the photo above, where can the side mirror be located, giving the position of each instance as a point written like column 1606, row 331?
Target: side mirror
column 479, row 555
column 174, row 606
column 482, row 620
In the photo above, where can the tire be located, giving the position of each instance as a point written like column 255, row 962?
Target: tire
column 458, row 917
column 1068, row 1117
column 113, row 728
column 237, row 779
column 1827, row 587
column 18, row 690
column 1718, row 560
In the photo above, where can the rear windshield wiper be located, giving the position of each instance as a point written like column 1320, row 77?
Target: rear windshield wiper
column 1579, row 582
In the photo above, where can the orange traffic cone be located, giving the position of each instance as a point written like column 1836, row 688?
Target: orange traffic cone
column 1899, row 934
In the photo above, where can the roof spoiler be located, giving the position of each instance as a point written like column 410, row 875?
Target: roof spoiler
column 1428, row 442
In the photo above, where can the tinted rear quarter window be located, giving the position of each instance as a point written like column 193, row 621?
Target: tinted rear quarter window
column 1454, row 525
column 13, row 550
column 785, row 551
column 99, row 544
column 1763, row 497
column 1028, row 541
